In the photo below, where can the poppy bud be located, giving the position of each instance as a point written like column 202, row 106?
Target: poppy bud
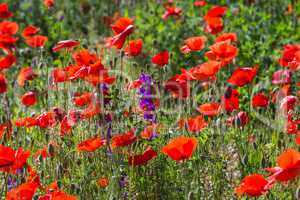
column 42, row 175
column 122, row 54
column 59, row 184
column 51, row 149
column 47, row 137
column 59, row 113
column 73, row 187
column 242, row 119
column 29, row 99
column 78, row 162
column 154, row 42
column 40, row 158
column 35, row 197
column 171, row 55
column 15, row 132
column 135, row 65
column 59, row 170
column 85, row 6
column 228, row 92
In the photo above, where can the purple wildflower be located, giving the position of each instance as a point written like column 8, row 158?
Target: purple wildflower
column 11, row 183
column 147, row 101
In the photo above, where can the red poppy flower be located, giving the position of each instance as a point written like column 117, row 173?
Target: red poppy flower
column 67, row 121
column 30, row 31
column 134, row 84
column 89, row 68
column 171, row 10
column 298, row 139
column 282, row 77
column 103, row 182
column 33, row 177
column 92, row 110
column 26, row 122
column 181, row 123
column 65, row 44
column 142, row 159
column 3, row 84
column 180, row 148
column 91, row 144
column 210, row 109
column 84, row 57
column 76, row 72
column 123, row 140
column 41, row 152
column 288, row 54
column 205, row 71
column 26, row 74
column 242, row 76
column 288, row 166
column 5, row 130
column 295, row 63
column 216, row 11
column 178, row 89
column 29, row 99
column 121, row 24
column 150, row 131
column 193, row 44
column 230, row 100
column 288, row 103
column 59, row 75
column 214, row 25
column 12, row 160
column 200, row 3
column 134, row 47
column 99, row 78
column 36, row 41
column 213, row 19
column 9, row 28
column 196, row 124
column 46, row 119
column 57, row 195
column 7, row 61
column 59, row 113
column 184, row 76
column 24, row 191
column 253, row 185
column 222, row 51
column 49, row 3
column 161, row 59
column 278, row 94
column 240, row 120
column 260, row 100
column 292, row 126
column 122, row 28
column 226, row 36
column 66, row 125
column 4, row 12
column 7, row 41
column 7, row 156
column 83, row 99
